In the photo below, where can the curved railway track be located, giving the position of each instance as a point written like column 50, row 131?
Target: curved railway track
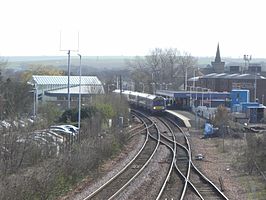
column 123, row 178
column 183, row 179
column 195, row 182
column 180, row 174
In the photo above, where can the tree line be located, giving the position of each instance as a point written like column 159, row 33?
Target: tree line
column 162, row 68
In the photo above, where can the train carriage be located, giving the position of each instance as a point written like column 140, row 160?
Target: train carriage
column 152, row 103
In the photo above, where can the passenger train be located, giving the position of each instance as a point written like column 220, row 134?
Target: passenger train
column 152, row 103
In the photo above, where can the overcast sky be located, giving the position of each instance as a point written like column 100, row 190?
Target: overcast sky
column 133, row 27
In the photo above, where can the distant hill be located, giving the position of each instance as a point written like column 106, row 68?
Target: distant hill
column 99, row 62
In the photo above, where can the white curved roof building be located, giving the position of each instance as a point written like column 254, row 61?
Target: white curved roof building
column 56, row 87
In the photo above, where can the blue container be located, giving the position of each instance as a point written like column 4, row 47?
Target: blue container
column 245, row 105
column 239, row 96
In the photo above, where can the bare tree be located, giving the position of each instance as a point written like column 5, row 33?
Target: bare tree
column 186, row 63
column 162, row 67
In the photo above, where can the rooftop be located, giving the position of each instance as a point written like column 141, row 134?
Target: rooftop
column 232, row 76
column 63, row 80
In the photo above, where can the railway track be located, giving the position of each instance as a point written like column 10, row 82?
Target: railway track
column 195, row 182
column 123, row 178
column 177, row 181
column 183, row 179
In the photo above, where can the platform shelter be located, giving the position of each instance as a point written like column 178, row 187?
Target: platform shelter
column 184, row 100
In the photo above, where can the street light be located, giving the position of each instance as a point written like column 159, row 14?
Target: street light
column 247, row 58
column 166, row 85
column 255, row 85
column 186, row 79
column 68, row 80
column 154, row 74
column 79, row 106
column 35, row 98
column 153, row 83
column 210, row 105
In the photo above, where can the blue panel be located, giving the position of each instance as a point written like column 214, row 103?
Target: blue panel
column 239, row 96
column 247, row 105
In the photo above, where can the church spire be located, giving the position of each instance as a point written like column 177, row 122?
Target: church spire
column 218, row 65
column 218, row 57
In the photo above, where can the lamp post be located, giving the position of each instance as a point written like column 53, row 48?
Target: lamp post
column 195, row 108
column 68, row 79
column 35, row 98
column 79, row 106
column 186, row 79
column 202, row 96
column 154, row 76
column 255, row 85
column 34, row 101
column 194, row 79
column 247, row 58
column 153, row 83
column 166, row 85
column 210, row 105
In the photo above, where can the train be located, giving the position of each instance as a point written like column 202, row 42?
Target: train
column 152, row 103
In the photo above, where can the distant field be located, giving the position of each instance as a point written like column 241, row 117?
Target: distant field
column 98, row 62
column 22, row 63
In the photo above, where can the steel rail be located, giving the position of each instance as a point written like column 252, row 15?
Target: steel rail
column 123, row 169
column 173, row 159
column 197, row 170
column 142, row 168
column 175, row 165
column 189, row 158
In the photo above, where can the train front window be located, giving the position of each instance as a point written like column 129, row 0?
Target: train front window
column 158, row 103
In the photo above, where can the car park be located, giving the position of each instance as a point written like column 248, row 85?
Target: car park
column 67, row 128
column 5, row 124
column 71, row 128
column 62, row 131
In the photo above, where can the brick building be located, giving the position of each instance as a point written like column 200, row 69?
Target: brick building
column 222, row 82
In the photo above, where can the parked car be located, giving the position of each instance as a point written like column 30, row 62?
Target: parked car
column 5, row 124
column 66, row 127
column 71, row 128
column 62, row 130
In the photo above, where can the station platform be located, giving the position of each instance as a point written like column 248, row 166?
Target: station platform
column 184, row 119
column 189, row 120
